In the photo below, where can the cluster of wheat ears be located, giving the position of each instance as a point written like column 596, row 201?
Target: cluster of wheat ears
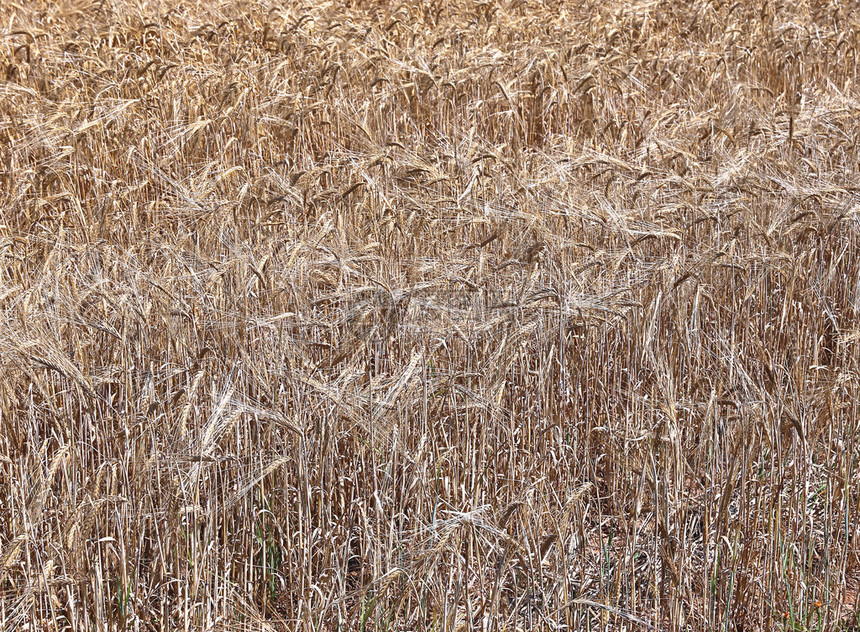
column 435, row 316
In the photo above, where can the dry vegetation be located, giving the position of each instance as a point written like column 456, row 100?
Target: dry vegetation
column 435, row 316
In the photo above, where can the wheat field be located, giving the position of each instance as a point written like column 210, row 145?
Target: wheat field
column 429, row 316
